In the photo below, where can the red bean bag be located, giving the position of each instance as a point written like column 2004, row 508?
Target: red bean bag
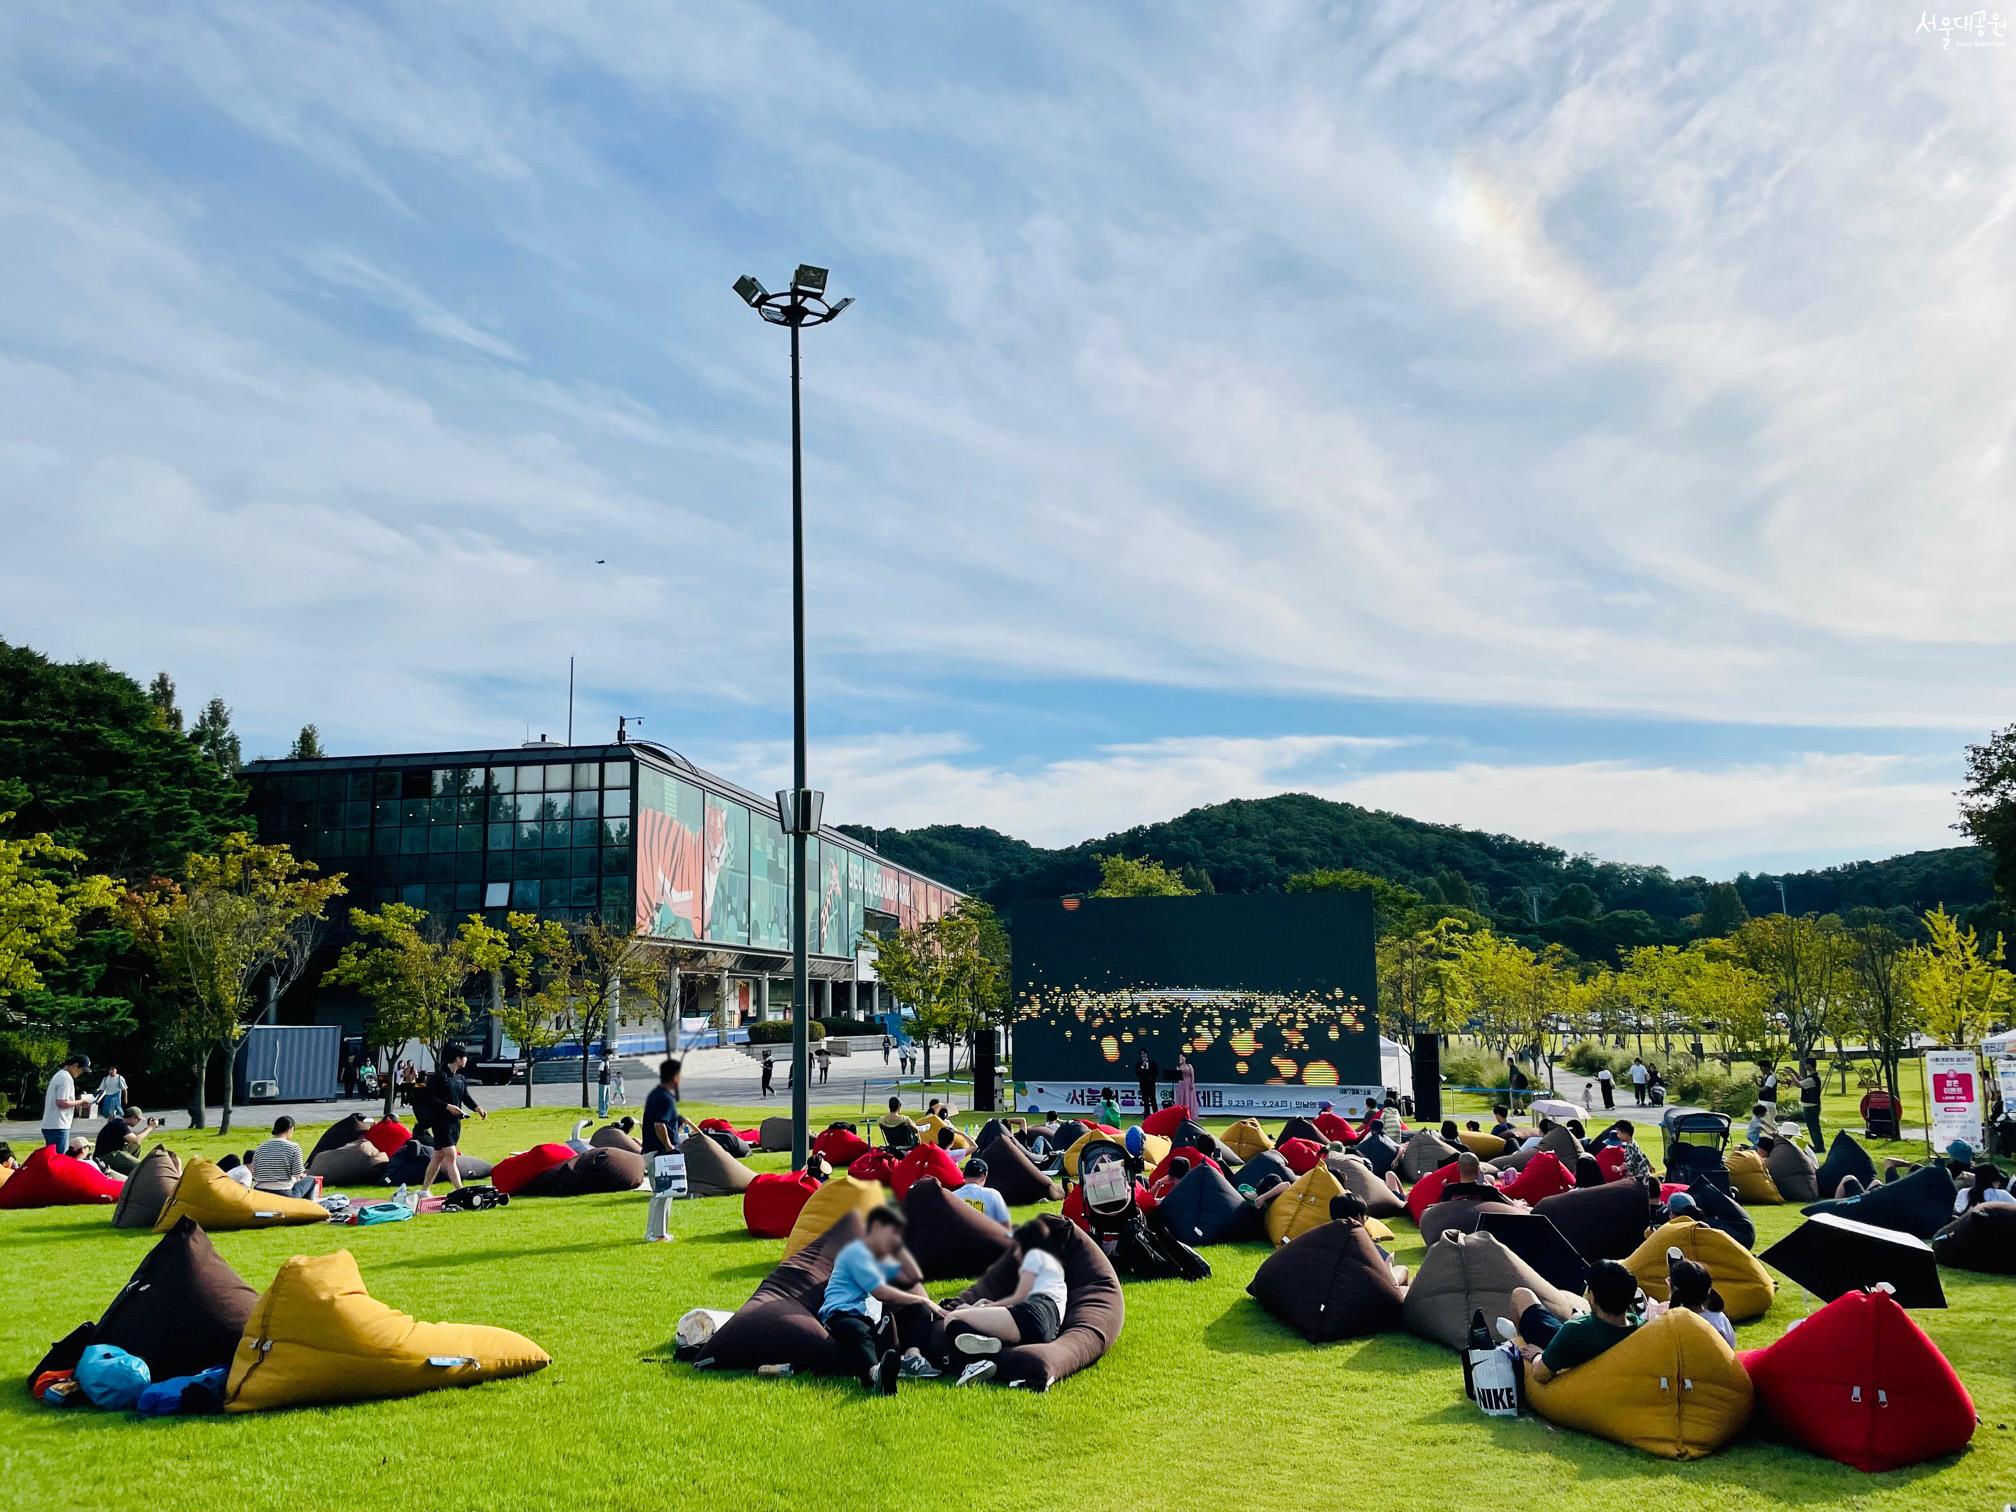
column 1610, row 1160
column 1074, row 1205
column 47, row 1179
column 1426, row 1192
column 1667, row 1189
column 1164, row 1122
column 1191, row 1153
column 513, row 1172
column 841, row 1146
column 1335, row 1128
column 771, row 1203
column 876, row 1165
column 1301, row 1154
column 925, row 1160
column 1859, row 1382
column 388, row 1134
column 1543, row 1176
column 718, row 1123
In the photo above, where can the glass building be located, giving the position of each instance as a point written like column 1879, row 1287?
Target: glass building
column 630, row 832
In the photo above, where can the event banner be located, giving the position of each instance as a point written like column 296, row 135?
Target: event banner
column 1953, row 1092
column 1213, row 1099
column 2005, row 1079
column 1269, row 996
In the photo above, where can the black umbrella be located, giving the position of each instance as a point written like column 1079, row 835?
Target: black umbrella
column 1534, row 1239
column 1830, row 1256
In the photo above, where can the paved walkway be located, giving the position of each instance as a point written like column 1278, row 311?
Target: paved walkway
column 710, row 1076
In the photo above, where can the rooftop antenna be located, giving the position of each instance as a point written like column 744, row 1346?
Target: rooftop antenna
column 570, row 700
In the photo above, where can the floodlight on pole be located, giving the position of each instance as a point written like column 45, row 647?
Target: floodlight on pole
column 799, row 806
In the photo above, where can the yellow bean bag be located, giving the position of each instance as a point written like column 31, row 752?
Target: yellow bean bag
column 1304, row 1206
column 217, row 1202
column 1746, row 1287
column 317, row 1336
column 1483, row 1146
column 827, row 1206
column 927, row 1132
column 1246, row 1138
column 1673, row 1389
column 1752, row 1179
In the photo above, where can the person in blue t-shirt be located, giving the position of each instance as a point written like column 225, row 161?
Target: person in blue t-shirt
column 662, row 1124
column 870, row 1275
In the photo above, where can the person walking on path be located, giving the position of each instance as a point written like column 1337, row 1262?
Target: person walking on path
column 887, row 1045
column 602, row 1086
column 825, row 1064
column 1640, row 1076
column 443, row 1103
column 1607, row 1085
column 769, row 1073
column 112, row 1093
column 61, row 1102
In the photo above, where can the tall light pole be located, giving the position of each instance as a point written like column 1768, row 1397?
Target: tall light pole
column 798, row 806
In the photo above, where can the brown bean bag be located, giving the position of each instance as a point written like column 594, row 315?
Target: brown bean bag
column 148, row 1189
column 359, row 1163
column 1514, row 1159
column 779, row 1324
column 1356, row 1176
column 711, row 1171
column 1562, row 1144
column 774, row 1135
column 603, row 1170
column 1603, row 1223
column 1095, row 1310
column 949, row 1238
column 1331, row 1283
column 1424, row 1151
column 181, row 1311
column 1459, row 1215
column 1014, row 1174
column 1794, row 1171
column 342, row 1132
column 1469, row 1273
column 609, row 1137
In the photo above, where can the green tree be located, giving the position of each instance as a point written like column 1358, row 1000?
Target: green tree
column 1129, row 877
column 1804, row 963
column 307, row 745
column 161, row 694
column 414, row 973
column 952, row 972
column 107, row 775
column 1393, row 905
column 1575, row 901
column 213, row 736
column 1959, row 985
column 1423, row 988
column 615, row 963
column 1722, row 910
column 1988, row 804
column 230, row 939
column 535, row 986
column 1880, row 1004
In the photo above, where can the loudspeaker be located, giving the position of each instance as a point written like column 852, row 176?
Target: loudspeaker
column 1428, row 1078
column 986, row 1047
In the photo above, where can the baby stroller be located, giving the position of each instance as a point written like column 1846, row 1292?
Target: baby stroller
column 1879, row 1115
column 1695, row 1142
column 1140, row 1250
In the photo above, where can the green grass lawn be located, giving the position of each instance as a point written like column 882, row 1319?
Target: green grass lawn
column 1204, row 1402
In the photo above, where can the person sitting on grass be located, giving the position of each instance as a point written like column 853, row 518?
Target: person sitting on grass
column 1986, row 1184
column 1691, row 1288
column 978, row 1194
column 871, row 1275
column 1032, row 1313
column 897, row 1129
column 1550, row 1346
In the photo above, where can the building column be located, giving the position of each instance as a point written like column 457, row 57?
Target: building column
column 723, row 1006
column 825, row 997
column 763, row 999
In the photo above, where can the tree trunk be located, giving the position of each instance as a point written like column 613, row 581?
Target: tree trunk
column 528, row 1076
column 584, row 1066
column 200, row 1065
column 385, row 1083
column 230, row 1086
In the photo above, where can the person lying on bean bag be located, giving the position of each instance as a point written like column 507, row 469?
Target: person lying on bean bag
column 1844, row 1158
column 1981, row 1239
column 620, row 1135
column 359, row 1163
column 1334, row 1282
column 47, row 1179
column 346, row 1130
column 1093, row 1313
column 1920, row 1204
column 1202, row 1207
column 1745, row 1285
column 1463, row 1180
column 780, row 1323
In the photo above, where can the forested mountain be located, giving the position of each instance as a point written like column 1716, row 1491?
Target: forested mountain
column 1595, row 907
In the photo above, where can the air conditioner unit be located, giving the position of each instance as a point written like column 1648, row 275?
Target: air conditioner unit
column 263, row 1089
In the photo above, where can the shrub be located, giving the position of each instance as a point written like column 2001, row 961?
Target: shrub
column 1466, row 1070
column 856, row 1026
column 1713, row 1088
column 1587, row 1058
column 778, row 1032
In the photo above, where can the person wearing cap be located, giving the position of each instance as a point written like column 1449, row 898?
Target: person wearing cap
column 61, row 1102
column 976, row 1193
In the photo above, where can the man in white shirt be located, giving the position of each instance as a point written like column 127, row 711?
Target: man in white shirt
column 1640, row 1075
column 978, row 1194
column 61, row 1102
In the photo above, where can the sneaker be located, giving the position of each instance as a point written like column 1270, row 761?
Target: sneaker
column 1507, row 1329
column 979, row 1370
column 774, row 1372
column 976, row 1344
column 916, row 1368
column 1674, row 1252
column 888, row 1373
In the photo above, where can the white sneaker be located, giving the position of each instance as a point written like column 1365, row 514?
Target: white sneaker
column 1507, row 1329
column 979, row 1370
column 977, row 1344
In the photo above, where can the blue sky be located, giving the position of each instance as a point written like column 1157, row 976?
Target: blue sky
column 1587, row 422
